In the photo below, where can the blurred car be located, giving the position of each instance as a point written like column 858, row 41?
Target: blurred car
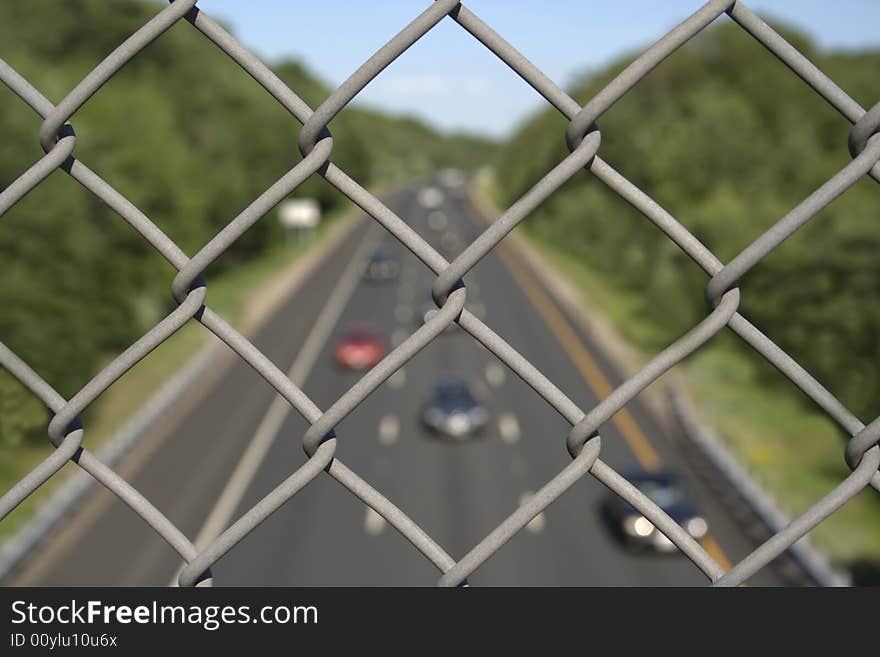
column 430, row 198
column 454, row 409
column 668, row 491
column 359, row 348
column 452, row 178
column 381, row 265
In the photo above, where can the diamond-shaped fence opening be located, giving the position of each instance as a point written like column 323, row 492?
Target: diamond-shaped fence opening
column 449, row 290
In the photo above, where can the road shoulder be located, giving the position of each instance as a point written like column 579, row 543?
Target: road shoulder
column 23, row 556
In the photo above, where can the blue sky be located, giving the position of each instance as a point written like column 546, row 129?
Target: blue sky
column 450, row 80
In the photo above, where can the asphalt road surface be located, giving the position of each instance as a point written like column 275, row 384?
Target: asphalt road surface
column 457, row 492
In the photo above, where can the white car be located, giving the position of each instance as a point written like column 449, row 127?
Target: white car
column 430, row 198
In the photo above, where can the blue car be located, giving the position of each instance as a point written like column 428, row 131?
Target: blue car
column 381, row 265
column 668, row 491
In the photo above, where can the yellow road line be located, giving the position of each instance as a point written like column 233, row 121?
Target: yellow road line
column 638, row 443
column 711, row 546
column 623, row 419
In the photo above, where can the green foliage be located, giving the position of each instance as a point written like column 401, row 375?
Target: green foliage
column 185, row 135
column 728, row 140
column 21, row 414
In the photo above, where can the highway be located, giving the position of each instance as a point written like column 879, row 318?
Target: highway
column 192, row 464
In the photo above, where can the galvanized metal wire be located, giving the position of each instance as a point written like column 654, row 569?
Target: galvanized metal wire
column 583, row 136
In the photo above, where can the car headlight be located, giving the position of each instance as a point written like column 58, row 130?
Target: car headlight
column 661, row 542
column 697, row 527
column 458, row 424
column 638, row 526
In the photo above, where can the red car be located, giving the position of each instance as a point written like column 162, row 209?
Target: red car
column 359, row 348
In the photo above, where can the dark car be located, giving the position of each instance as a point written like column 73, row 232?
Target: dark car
column 454, row 409
column 360, row 347
column 667, row 490
column 381, row 265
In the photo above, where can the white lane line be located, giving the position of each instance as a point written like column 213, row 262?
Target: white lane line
column 508, row 428
column 495, row 374
column 389, row 429
column 536, row 525
column 403, row 313
column 437, row 220
column 229, row 500
column 397, row 379
column 374, row 524
column 398, row 337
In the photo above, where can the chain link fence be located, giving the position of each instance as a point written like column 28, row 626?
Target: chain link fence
column 583, row 136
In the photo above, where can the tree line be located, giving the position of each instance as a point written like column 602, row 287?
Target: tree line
column 191, row 140
column 728, row 140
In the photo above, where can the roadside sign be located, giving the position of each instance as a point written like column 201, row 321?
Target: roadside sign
column 299, row 213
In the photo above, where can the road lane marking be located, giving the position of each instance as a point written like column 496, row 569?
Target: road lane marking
column 536, row 525
column 508, row 428
column 710, row 545
column 374, row 524
column 389, row 429
column 397, row 379
column 571, row 343
column 495, row 374
column 437, row 220
column 93, row 506
column 272, row 421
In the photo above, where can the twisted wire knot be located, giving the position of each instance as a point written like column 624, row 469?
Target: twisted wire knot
column 859, row 445
column 863, row 129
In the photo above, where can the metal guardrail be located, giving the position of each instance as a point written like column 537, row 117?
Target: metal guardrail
column 583, row 137
column 814, row 564
column 64, row 499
